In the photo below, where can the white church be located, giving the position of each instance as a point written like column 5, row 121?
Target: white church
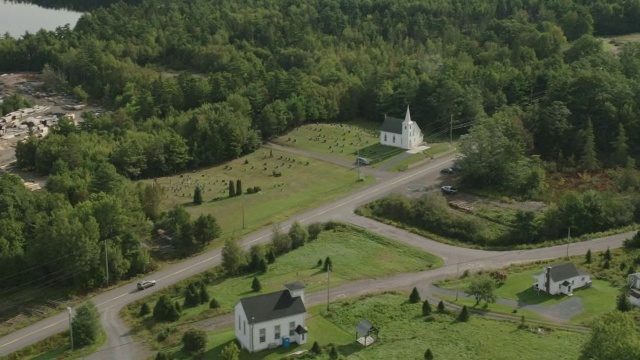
column 405, row 134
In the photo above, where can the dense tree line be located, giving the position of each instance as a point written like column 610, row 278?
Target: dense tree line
column 583, row 213
column 270, row 66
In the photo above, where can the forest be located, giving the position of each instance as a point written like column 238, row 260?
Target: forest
column 196, row 83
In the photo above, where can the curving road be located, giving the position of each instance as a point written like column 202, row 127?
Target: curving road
column 120, row 344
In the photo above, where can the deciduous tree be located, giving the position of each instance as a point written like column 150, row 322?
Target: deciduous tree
column 482, row 288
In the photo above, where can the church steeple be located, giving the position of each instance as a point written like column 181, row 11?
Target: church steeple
column 407, row 117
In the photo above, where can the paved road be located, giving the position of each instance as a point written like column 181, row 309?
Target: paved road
column 110, row 302
column 120, row 344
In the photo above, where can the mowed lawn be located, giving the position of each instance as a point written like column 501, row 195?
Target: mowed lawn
column 355, row 254
column 596, row 300
column 404, row 334
column 344, row 141
column 303, row 184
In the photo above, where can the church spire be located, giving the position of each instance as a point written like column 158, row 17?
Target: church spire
column 407, row 117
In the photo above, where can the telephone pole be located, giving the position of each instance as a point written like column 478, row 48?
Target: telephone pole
column 457, row 280
column 328, row 272
column 451, row 130
column 569, row 240
column 106, row 260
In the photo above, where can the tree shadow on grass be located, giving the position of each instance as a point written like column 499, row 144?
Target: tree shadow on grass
column 349, row 349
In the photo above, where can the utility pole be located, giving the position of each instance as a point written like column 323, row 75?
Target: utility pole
column 568, row 240
column 358, row 164
column 70, row 326
column 457, row 280
column 328, row 272
column 106, row 260
column 451, row 130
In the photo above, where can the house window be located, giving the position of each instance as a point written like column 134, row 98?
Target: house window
column 394, row 139
column 385, row 137
column 276, row 330
column 292, row 328
column 244, row 327
column 572, row 281
column 239, row 323
column 263, row 335
column 583, row 278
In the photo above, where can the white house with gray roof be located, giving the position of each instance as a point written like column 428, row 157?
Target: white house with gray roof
column 405, row 134
column 560, row 278
column 271, row 320
column 634, row 288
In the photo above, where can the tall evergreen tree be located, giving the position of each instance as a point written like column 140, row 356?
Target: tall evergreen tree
column 589, row 160
column 620, row 147
column 197, row 196
column 428, row 355
column 238, row 187
column 588, row 257
column 255, row 285
column 232, row 189
column 426, row 308
column 623, row 304
column 464, row 314
column 415, row 296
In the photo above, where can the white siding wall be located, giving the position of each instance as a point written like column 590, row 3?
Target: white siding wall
column 578, row 282
column 269, row 327
column 634, row 301
column 242, row 328
column 389, row 140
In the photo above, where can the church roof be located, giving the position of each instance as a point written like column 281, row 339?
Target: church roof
column 272, row 306
column 392, row 125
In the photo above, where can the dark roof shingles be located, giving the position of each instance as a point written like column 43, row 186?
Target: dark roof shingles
column 392, row 125
column 271, row 306
column 564, row 271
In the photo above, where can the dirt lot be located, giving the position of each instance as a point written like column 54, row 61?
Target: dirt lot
column 28, row 85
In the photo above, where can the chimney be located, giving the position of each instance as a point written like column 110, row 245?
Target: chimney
column 547, row 282
column 295, row 289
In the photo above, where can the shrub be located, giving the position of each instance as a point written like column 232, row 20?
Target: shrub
column 333, row 353
column 194, row 341
column 607, row 255
column 623, row 304
column 214, row 304
column 415, row 296
column 314, row 230
column 197, row 196
column 163, row 335
column 441, row 308
column 588, row 257
column 255, row 285
column 328, row 265
column 500, row 276
column 465, row 274
column 230, row 352
column 606, row 264
column 316, row 349
column 204, row 294
column 165, row 310
column 191, row 296
column 426, row 308
column 633, row 243
column 428, row 355
column 430, row 318
column 162, row 356
column 319, row 264
column 464, row 314
column 262, row 266
column 271, row 256
column 86, row 325
column 144, row 309
column 238, row 187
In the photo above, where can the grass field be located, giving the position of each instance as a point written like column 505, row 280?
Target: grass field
column 57, row 346
column 355, row 254
column 614, row 44
column 404, row 334
column 339, row 140
column 302, row 185
column 596, row 300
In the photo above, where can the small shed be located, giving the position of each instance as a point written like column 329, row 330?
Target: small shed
column 366, row 333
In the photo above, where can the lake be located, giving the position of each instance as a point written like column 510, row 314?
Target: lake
column 16, row 19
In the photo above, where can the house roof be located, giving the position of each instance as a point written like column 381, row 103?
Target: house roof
column 363, row 327
column 271, row 306
column 564, row 271
column 635, row 294
column 392, row 125
column 301, row 330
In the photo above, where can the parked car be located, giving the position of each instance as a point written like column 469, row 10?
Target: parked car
column 146, row 284
column 447, row 171
column 363, row 161
column 449, row 190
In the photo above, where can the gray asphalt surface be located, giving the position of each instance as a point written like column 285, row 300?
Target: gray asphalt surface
column 120, row 345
